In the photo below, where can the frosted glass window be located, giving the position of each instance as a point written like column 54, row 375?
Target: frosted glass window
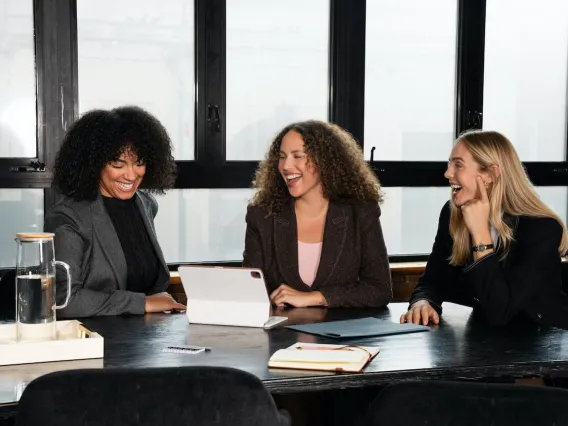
column 410, row 218
column 140, row 52
column 555, row 197
column 198, row 225
column 277, row 70
column 526, row 62
column 410, row 215
column 21, row 210
column 17, row 80
column 410, row 79
column 201, row 225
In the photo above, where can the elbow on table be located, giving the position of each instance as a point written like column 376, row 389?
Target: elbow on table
column 378, row 300
column 384, row 299
column 498, row 317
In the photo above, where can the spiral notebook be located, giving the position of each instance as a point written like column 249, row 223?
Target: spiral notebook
column 314, row 356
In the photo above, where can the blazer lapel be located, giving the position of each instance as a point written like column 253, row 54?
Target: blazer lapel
column 151, row 233
column 286, row 244
column 106, row 234
column 334, row 234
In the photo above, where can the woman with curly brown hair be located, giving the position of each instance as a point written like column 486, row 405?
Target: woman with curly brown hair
column 104, row 226
column 313, row 225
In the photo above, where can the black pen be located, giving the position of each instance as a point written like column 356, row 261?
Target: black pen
column 206, row 349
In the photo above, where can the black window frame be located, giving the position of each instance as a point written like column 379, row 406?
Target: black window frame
column 55, row 69
column 55, row 38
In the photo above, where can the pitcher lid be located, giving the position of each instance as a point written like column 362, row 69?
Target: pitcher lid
column 34, row 235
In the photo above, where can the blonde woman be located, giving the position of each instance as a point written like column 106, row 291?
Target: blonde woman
column 498, row 247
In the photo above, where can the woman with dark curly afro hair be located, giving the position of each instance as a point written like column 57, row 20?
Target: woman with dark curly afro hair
column 313, row 225
column 104, row 226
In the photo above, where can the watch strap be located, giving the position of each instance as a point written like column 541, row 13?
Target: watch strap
column 482, row 247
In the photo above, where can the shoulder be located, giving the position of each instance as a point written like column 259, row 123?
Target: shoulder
column 367, row 208
column 362, row 211
column 538, row 226
column 70, row 207
column 148, row 201
column 256, row 214
column 68, row 212
column 445, row 213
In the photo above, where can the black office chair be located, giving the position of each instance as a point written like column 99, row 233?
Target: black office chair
column 8, row 295
column 468, row 404
column 196, row 396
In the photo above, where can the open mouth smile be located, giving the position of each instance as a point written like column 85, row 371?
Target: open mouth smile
column 126, row 187
column 292, row 178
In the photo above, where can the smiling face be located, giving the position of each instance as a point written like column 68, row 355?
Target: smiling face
column 462, row 173
column 121, row 178
column 299, row 174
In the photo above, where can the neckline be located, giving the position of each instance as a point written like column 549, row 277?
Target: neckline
column 119, row 202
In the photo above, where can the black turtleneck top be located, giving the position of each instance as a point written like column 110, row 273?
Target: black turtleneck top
column 143, row 266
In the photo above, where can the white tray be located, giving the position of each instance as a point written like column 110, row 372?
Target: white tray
column 73, row 342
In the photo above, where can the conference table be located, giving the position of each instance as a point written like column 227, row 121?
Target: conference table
column 461, row 347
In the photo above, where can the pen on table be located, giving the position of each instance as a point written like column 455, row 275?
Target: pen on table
column 206, row 349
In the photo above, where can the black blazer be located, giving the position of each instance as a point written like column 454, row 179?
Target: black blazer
column 353, row 270
column 527, row 283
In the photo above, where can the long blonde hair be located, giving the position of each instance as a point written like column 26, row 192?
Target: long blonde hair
column 512, row 193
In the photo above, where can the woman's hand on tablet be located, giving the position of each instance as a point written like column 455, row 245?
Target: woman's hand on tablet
column 161, row 302
column 299, row 299
column 421, row 312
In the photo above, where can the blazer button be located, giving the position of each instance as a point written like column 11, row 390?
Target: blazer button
column 538, row 315
column 476, row 299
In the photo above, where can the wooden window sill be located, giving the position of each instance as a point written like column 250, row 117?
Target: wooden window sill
column 412, row 268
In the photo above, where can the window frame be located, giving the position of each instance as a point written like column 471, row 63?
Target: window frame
column 55, row 40
column 55, row 49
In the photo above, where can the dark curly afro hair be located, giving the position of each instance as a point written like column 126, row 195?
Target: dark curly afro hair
column 344, row 174
column 100, row 137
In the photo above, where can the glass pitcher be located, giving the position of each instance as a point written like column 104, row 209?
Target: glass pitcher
column 35, row 287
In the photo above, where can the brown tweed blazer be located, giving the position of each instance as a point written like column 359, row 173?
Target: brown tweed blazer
column 353, row 270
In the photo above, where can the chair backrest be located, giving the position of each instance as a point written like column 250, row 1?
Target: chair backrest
column 461, row 403
column 196, row 396
column 8, row 294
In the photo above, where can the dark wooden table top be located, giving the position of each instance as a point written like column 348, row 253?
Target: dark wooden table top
column 461, row 347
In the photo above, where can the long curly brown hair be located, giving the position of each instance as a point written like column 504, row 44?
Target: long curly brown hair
column 338, row 159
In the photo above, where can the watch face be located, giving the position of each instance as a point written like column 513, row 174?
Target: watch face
column 482, row 247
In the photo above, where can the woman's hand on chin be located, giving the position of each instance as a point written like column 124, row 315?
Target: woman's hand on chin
column 476, row 215
column 299, row 299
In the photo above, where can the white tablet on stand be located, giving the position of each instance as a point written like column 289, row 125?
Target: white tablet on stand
column 227, row 296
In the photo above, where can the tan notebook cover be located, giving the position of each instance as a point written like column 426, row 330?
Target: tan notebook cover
column 314, row 356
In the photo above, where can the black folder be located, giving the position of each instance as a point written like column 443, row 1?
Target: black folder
column 362, row 327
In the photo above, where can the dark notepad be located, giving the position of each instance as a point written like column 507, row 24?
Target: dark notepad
column 363, row 327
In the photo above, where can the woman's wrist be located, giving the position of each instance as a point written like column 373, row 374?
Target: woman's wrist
column 483, row 237
column 318, row 299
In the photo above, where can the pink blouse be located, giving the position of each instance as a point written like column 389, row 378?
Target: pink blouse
column 308, row 261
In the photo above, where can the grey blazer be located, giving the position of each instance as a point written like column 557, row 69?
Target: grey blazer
column 85, row 239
